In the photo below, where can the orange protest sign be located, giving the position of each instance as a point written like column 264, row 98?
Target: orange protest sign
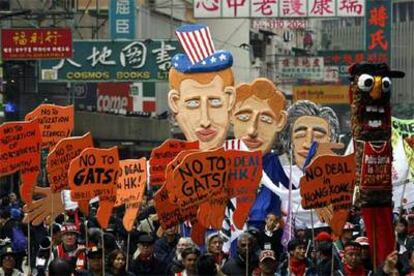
column 56, row 122
column 329, row 180
column 20, row 151
column 244, row 173
column 132, row 178
column 94, row 173
column 198, row 176
column 164, row 154
column 59, row 159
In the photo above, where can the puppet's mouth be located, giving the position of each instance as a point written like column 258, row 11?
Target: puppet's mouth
column 374, row 116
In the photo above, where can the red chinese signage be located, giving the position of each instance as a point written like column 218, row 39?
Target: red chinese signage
column 47, row 43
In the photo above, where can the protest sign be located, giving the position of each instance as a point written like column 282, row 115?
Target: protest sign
column 405, row 129
column 164, row 154
column 56, row 122
column 132, row 178
column 59, row 159
column 244, row 174
column 199, row 175
column 329, row 180
column 20, row 151
column 94, row 173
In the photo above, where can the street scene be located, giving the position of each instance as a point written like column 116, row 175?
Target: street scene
column 206, row 137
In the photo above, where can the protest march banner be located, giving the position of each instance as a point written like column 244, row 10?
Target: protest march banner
column 58, row 160
column 164, row 154
column 56, row 122
column 404, row 129
column 329, row 181
column 20, row 151
column 94, row 173
column 244, row 175
column 132, row 178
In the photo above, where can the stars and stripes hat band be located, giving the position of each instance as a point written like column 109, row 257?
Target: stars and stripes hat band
column 200, row 53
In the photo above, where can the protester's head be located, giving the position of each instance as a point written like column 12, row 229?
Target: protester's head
column 12, row 198
column 182, row 244
column 206, row 265
column 347, row 232
column 352, row 254
column 271, row 221
column 146, row 245
column 8, row 261
column 170, row 232
column 69, row 234
column 4, row 216
column 189, row 258
column 95, row 258
column 117, row 260
column 259, row 114
column 308, row 122
column 268, row 262
column 56, row 233
column 244, row 244
column 59, row 267
column 297, row 249
column 300, row 231
column 363, row 241
column 214, row 243
column 401, row 226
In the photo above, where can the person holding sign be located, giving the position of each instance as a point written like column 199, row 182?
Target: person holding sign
column 258, row 116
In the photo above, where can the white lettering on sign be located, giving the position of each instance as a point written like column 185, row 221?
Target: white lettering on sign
column 113, row 104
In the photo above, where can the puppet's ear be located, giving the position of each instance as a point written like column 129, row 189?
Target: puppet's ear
column 231, row 92
column 173, row 97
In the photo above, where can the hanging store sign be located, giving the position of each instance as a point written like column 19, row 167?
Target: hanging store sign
column 108, row 61
column 311, row 68
column 45, row 43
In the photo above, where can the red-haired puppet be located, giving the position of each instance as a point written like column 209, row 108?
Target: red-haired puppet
column 370, row 93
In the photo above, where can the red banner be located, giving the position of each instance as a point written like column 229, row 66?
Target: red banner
column 45, row 43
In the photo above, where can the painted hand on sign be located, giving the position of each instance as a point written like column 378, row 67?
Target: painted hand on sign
column 20, row 151
column 329, row 180
column 58, row 160
column 94, row 173
column 132, row 178
column 56, row 122
column 244, row 173
column 163, row 155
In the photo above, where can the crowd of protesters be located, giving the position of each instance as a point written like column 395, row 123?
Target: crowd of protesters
column 76, row 245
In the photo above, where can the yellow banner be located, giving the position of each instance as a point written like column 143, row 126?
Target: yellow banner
column 322, row 94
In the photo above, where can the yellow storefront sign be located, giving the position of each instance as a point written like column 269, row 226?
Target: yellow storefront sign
column 322, row 94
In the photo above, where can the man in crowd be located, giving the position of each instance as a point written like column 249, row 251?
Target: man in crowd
column 69, row 249
column 214, row 244
column 345, row 238
column 177, row 262
column 352, row 265
column 95, row 261
column 8, row 263
column 245, row 261
column 164, row 248
column 145, row 262
column 267, row 264
column 270, row 237
column 404, row 242
column 297, row 263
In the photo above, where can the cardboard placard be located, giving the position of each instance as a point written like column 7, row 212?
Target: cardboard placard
column 132, row 178
column 244, row 175
column 59, row 159
column 20, row 151
column 164, row 154
column 56, row 122
column 199, row 176
column 329, row 180
column 94, row 173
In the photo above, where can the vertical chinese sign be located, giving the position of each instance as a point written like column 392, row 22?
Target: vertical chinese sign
column 378, row 31
column 122, row 19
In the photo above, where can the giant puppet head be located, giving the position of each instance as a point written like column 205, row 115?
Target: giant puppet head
column 202, row 87
column 370, row 93
column 308, row 122
column 259, row 114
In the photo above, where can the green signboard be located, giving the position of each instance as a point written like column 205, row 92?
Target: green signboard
column 109, row 61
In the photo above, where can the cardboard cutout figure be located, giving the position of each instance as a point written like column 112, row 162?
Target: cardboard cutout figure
column 94, row 173
column 20, row 151
column 56, row 122
column 370, row 93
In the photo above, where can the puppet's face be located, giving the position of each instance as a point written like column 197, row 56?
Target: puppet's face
column 256, row 124
column 371, row 106
column 307, row 129
column 203, row 111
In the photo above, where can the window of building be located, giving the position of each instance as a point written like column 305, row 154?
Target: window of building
column 403, row 11
column 410, row 9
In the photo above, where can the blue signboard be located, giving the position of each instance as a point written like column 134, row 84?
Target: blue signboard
column 122, row 19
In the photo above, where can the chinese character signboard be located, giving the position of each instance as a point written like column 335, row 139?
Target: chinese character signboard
column 122, row 19
column 342, row 59
column 278, row 8
column 322, row 94
column 47, row 43
column 311, row 68
column 378, row 31
column 108, row 61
